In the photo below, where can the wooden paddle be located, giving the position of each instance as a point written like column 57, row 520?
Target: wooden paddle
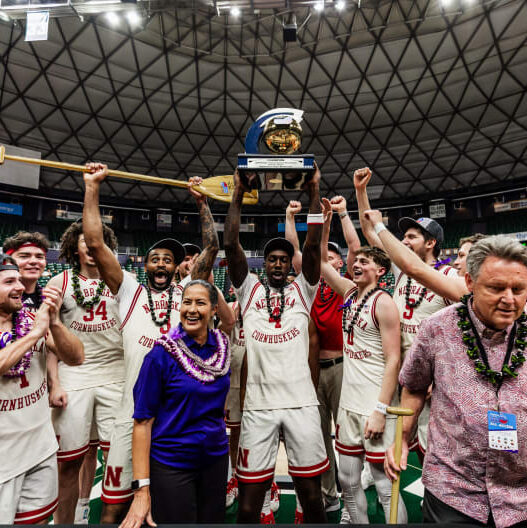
column 219, row 188
column 394, row 504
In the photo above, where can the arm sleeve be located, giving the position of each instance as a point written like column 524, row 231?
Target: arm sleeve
column 308, row 291
column 417, row 372
column 243, row 293
column 148, row 388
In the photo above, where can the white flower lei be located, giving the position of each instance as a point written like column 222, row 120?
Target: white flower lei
column 204, row 370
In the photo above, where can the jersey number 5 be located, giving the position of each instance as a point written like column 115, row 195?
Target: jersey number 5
column 409, row 313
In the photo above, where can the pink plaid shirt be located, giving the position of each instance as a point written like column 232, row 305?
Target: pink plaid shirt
column 460, row 469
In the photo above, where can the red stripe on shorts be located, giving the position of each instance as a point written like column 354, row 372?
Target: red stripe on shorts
column 349, row 450
column 375, row 458
column 36, row 516
column 63, row 456
column 309, row 471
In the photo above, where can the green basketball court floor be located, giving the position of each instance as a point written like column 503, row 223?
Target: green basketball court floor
column 412, row 493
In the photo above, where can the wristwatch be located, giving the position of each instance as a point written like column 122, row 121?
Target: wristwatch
column 141, row 483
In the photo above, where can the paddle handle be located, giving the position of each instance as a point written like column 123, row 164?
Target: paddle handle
column 82, row 168
column 396, row 484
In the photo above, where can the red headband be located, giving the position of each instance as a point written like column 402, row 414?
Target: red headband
column 26, row 244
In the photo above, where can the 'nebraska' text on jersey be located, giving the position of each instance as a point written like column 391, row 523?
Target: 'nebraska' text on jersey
column 278, row 375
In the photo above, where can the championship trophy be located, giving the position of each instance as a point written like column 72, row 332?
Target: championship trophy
column 272, row 147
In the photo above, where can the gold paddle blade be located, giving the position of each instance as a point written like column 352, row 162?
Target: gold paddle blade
column 217, row 187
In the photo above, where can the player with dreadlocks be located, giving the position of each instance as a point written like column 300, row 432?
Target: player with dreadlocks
column 85, row 397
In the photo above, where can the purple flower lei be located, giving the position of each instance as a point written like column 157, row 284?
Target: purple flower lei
column 204, row 370
column 21, row 326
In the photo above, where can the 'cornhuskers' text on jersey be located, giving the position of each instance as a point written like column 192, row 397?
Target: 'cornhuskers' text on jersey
column 278, row 375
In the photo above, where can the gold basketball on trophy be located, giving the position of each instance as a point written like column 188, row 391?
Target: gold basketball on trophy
column 282, row 138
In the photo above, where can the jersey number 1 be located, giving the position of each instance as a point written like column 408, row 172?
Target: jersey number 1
column 23, row 381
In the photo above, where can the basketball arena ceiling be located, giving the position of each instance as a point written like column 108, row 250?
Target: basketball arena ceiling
column 430, row 94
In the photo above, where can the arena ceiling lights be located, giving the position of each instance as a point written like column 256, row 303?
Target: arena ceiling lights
column 432, row 97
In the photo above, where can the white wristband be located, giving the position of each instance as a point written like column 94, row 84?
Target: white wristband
column 317, row 218
column 381, row 407
column 378, row 227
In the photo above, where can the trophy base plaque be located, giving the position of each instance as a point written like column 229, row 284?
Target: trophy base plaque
column 275, row 172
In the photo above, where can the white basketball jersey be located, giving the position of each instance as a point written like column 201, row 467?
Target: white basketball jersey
column 411, row 318
column 364, row 361
column 98, row 329
column 278, row 375
column 26, row 433
column 237, row 351
column 140, row 332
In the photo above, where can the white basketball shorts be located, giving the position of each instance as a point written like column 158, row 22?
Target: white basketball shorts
column 89, row 414
column 32, row 496
column 259, row 439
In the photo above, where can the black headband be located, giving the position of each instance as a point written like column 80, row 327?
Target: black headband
column 5, row 267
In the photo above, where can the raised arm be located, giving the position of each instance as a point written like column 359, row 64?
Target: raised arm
column 311, row 252
column 293, row 209
column 336, row 282
column 238, row 268
column 106, row 261
column 339, row 206
column 361, row 177
column 204, row 263
column 452, row 288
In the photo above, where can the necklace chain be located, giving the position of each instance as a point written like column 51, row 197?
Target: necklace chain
column 347, row 309
column 160, row 322
column 409, row 302
column 276, row 318
column 477, row 354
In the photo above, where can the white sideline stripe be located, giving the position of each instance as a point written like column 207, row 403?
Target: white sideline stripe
column 96, row 491
column 416, row 488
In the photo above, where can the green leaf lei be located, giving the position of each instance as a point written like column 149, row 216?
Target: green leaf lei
column 473, row 347
column 77, row 293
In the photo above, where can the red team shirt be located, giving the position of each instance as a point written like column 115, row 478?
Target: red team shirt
column 328, row 318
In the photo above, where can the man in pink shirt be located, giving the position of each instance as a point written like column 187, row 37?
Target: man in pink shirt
column 475, row 468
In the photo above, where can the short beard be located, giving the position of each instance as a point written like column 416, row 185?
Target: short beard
column 151, row 281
